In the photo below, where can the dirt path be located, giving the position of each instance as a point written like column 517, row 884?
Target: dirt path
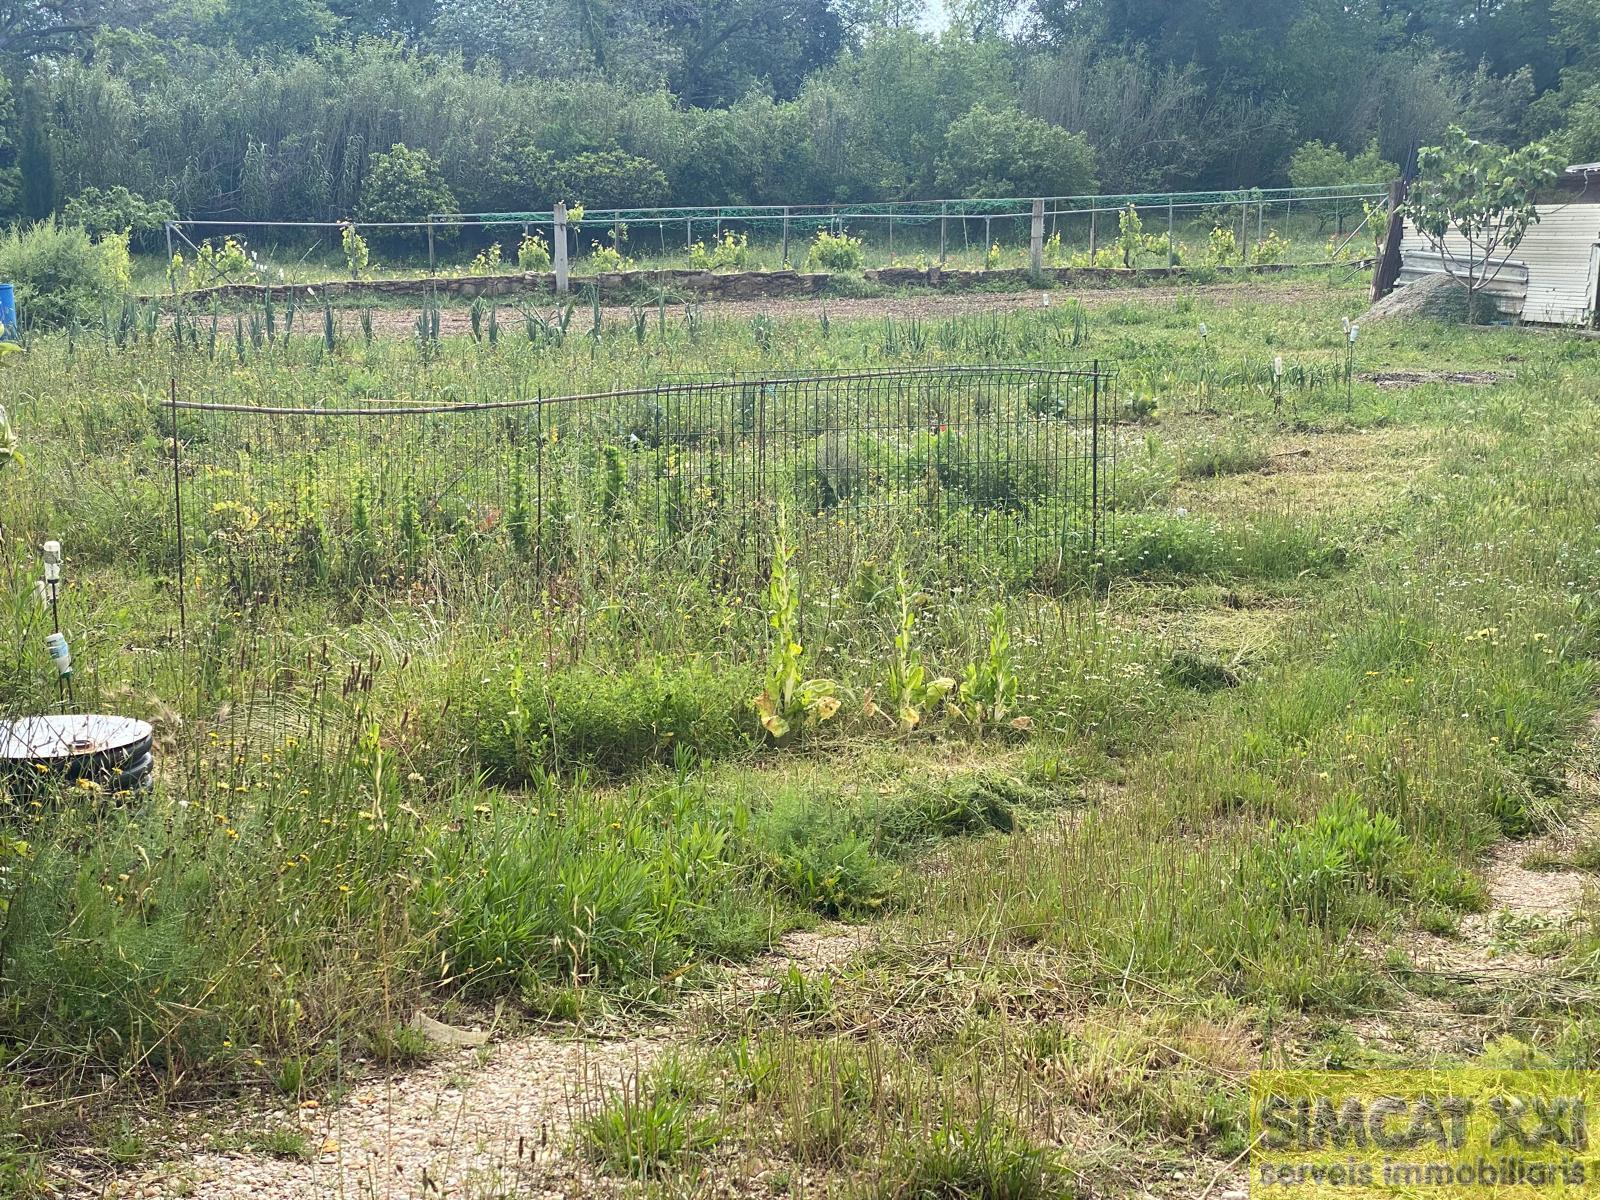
column 471, row 1124
column 1536, row 894
column 925, row 305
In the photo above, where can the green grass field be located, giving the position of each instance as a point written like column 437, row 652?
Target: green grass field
column 1237, row 794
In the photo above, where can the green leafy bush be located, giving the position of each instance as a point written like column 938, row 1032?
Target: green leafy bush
column 608, row 259
column 835, row 252
column 61, row 274
column 356, row 255
column 1318, row 164
column 611, row 178
column 584, row 888
column 1005, row 152
column 821, row 855
column 1347, row 849
column 117, row 210
column 731, row 253
column 404, row 185
column 533, row 254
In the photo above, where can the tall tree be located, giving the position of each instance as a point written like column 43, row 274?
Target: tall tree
column 32, row 28
column 34, row 160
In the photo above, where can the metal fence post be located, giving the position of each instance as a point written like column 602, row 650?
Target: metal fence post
column 1092, row 214
column 785, row 235
column 1171, row 233
column 1094, row 463
column 432, row 270
column 944, row 230
column 172, row 276
column 1036, row 239
column 559, row 246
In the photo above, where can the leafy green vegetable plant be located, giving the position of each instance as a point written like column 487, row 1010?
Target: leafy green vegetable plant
column 790, row 702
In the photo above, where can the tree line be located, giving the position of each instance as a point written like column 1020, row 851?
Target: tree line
column 127, row 110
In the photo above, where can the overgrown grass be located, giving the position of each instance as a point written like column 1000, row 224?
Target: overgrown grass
column 456, row 786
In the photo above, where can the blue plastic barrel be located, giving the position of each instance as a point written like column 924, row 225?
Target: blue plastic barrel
column 8, row 313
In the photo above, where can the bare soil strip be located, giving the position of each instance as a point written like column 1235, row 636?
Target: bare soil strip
column 901, row 306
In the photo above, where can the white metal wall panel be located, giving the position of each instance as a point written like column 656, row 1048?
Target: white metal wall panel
column 1557, row 251
column 1594, row 285
column 1552, row 270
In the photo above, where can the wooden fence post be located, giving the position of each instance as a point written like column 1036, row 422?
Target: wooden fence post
column 1387, row 269
column 558, row 246
column 1036, row 239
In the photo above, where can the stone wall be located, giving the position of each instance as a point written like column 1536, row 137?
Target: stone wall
column 739, row 285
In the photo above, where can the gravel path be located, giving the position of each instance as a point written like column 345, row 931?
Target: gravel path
column 462, row 1127
column 470, row 1125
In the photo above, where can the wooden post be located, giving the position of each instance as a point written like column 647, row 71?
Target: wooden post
column 558, row 246
column 785, row 235
column 1036, row 239
column 1387, row 269
column 172, row 276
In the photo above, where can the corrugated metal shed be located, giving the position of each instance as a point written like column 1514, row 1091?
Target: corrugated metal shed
column 1553, row 276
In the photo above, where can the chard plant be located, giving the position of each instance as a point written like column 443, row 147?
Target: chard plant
column 988, row 692
column 913, row 692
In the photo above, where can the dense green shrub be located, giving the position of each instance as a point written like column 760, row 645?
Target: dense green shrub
column 404, row 185
column 1004, row 152
column 117, row 210
column 611, row 178
column 61, row 274
column 835, row 252
column 1316, row 164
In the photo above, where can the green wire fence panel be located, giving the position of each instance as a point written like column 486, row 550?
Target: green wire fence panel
column 998, row 470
